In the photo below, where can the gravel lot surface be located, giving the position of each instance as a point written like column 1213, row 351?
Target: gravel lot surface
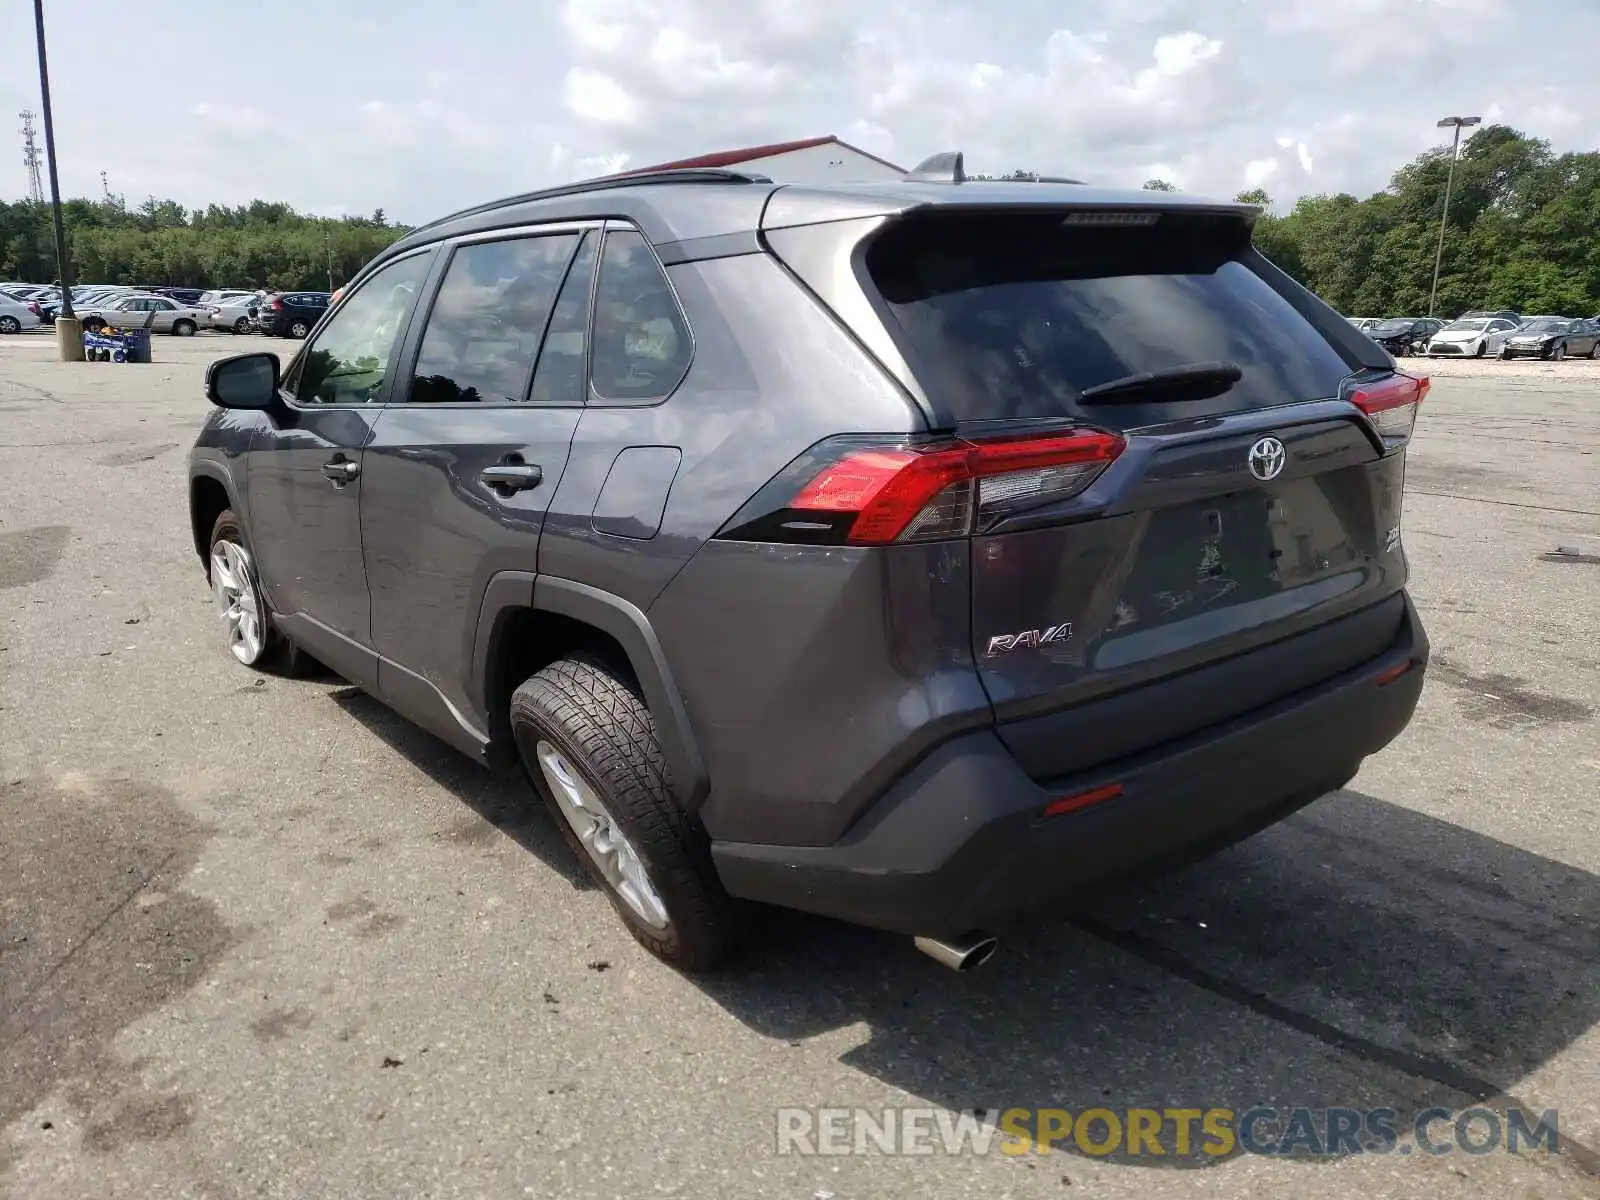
column 260, row 938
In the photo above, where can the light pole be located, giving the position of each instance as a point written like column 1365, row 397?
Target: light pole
column 1455, row 148
column 327, row 241
column 69, row 330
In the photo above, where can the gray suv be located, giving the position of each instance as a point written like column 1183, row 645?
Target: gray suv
column 914, row 553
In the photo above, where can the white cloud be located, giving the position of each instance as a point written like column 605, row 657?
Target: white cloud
column 443, row 109
column 1258, row 170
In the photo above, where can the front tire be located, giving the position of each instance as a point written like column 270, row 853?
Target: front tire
column 242, row 325
column 588, row 744
column 1480, row 350
column 1558, row 352
column 252, row 639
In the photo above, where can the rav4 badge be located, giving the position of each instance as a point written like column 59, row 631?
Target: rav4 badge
column 1004, row 643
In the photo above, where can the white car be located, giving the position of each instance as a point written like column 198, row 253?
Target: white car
column 131, row 312
column 15, row 316
column 233, row 313
column 1473, row 337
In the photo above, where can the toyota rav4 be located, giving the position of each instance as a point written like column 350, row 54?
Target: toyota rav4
column 913, row 553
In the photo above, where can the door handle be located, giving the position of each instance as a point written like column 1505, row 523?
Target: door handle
column 512, row 477
column 341, row 470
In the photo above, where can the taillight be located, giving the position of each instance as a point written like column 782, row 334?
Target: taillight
column 1391, row 405
column 33, row 308
column 868, row 492
column 277, row 305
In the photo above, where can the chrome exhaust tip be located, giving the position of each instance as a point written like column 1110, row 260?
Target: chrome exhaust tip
column 962, row 954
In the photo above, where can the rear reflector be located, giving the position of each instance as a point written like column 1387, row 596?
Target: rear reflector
column 844, row 492
column 1082, row 800
column 1391, row 405
column 1390, row 674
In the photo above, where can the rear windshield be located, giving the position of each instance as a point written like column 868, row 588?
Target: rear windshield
column 1012, row 315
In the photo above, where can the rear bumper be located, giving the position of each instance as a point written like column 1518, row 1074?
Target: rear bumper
column 961, row 843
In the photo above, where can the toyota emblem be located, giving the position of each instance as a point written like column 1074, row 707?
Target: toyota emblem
column 1267, row 458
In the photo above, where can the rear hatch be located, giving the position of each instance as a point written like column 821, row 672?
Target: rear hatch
column 1203, row 487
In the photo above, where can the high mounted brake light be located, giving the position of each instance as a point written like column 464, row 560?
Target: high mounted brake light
column 1391, row 405
column 844, row 492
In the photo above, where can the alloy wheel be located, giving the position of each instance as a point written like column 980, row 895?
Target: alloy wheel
column 233, row 583
column 600, row 835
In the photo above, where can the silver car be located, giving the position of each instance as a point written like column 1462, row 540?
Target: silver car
column 165, row 314
column 235, row 312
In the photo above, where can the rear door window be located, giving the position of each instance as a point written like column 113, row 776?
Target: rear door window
column 1012, row 315
column 559, row 377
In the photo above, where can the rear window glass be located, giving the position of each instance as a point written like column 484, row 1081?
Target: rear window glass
column 1011, row 316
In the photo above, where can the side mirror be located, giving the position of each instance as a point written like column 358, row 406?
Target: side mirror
column 247, row 381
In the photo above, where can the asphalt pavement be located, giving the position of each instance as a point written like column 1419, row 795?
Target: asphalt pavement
column 259, row 937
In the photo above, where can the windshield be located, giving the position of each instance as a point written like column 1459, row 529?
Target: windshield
column 1545, row 325
column 1465, row 326
column 1396, row 326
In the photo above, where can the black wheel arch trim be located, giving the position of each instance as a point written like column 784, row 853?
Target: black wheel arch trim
column 216, row 472
column 630, row 628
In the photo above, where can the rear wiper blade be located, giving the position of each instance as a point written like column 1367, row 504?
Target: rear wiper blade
column 1196, row 381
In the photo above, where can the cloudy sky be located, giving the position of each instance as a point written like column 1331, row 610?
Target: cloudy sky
column 423, row 107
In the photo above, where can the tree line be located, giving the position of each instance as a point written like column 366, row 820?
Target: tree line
column 1524, row 234
column 159, row 242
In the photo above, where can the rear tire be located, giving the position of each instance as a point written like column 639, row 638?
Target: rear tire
column 9, row 324
column 298, row 330
column 183, row 328
column 582, row 730
column 242, row 325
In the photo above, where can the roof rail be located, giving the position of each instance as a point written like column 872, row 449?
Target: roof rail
column 603, row 183
column 948, row 167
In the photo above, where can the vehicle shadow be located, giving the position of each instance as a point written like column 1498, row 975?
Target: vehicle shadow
column 503, row 798
column 1358, row 955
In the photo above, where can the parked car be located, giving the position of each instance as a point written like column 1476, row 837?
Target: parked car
column 83, row 297
column 1364, row 323
column 1401, row 336
column 233, row 313
column 291, row 314
column 1553, row 337
column 26, row 291
column 1116, row 574
column 219, row 295
column 167, row 315
column 17, row 315
column 1474, row 336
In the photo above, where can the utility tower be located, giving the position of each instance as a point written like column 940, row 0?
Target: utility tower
column 31, row 155
column 105, row 189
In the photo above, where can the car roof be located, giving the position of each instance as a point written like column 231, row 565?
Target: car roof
column 684, row 205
